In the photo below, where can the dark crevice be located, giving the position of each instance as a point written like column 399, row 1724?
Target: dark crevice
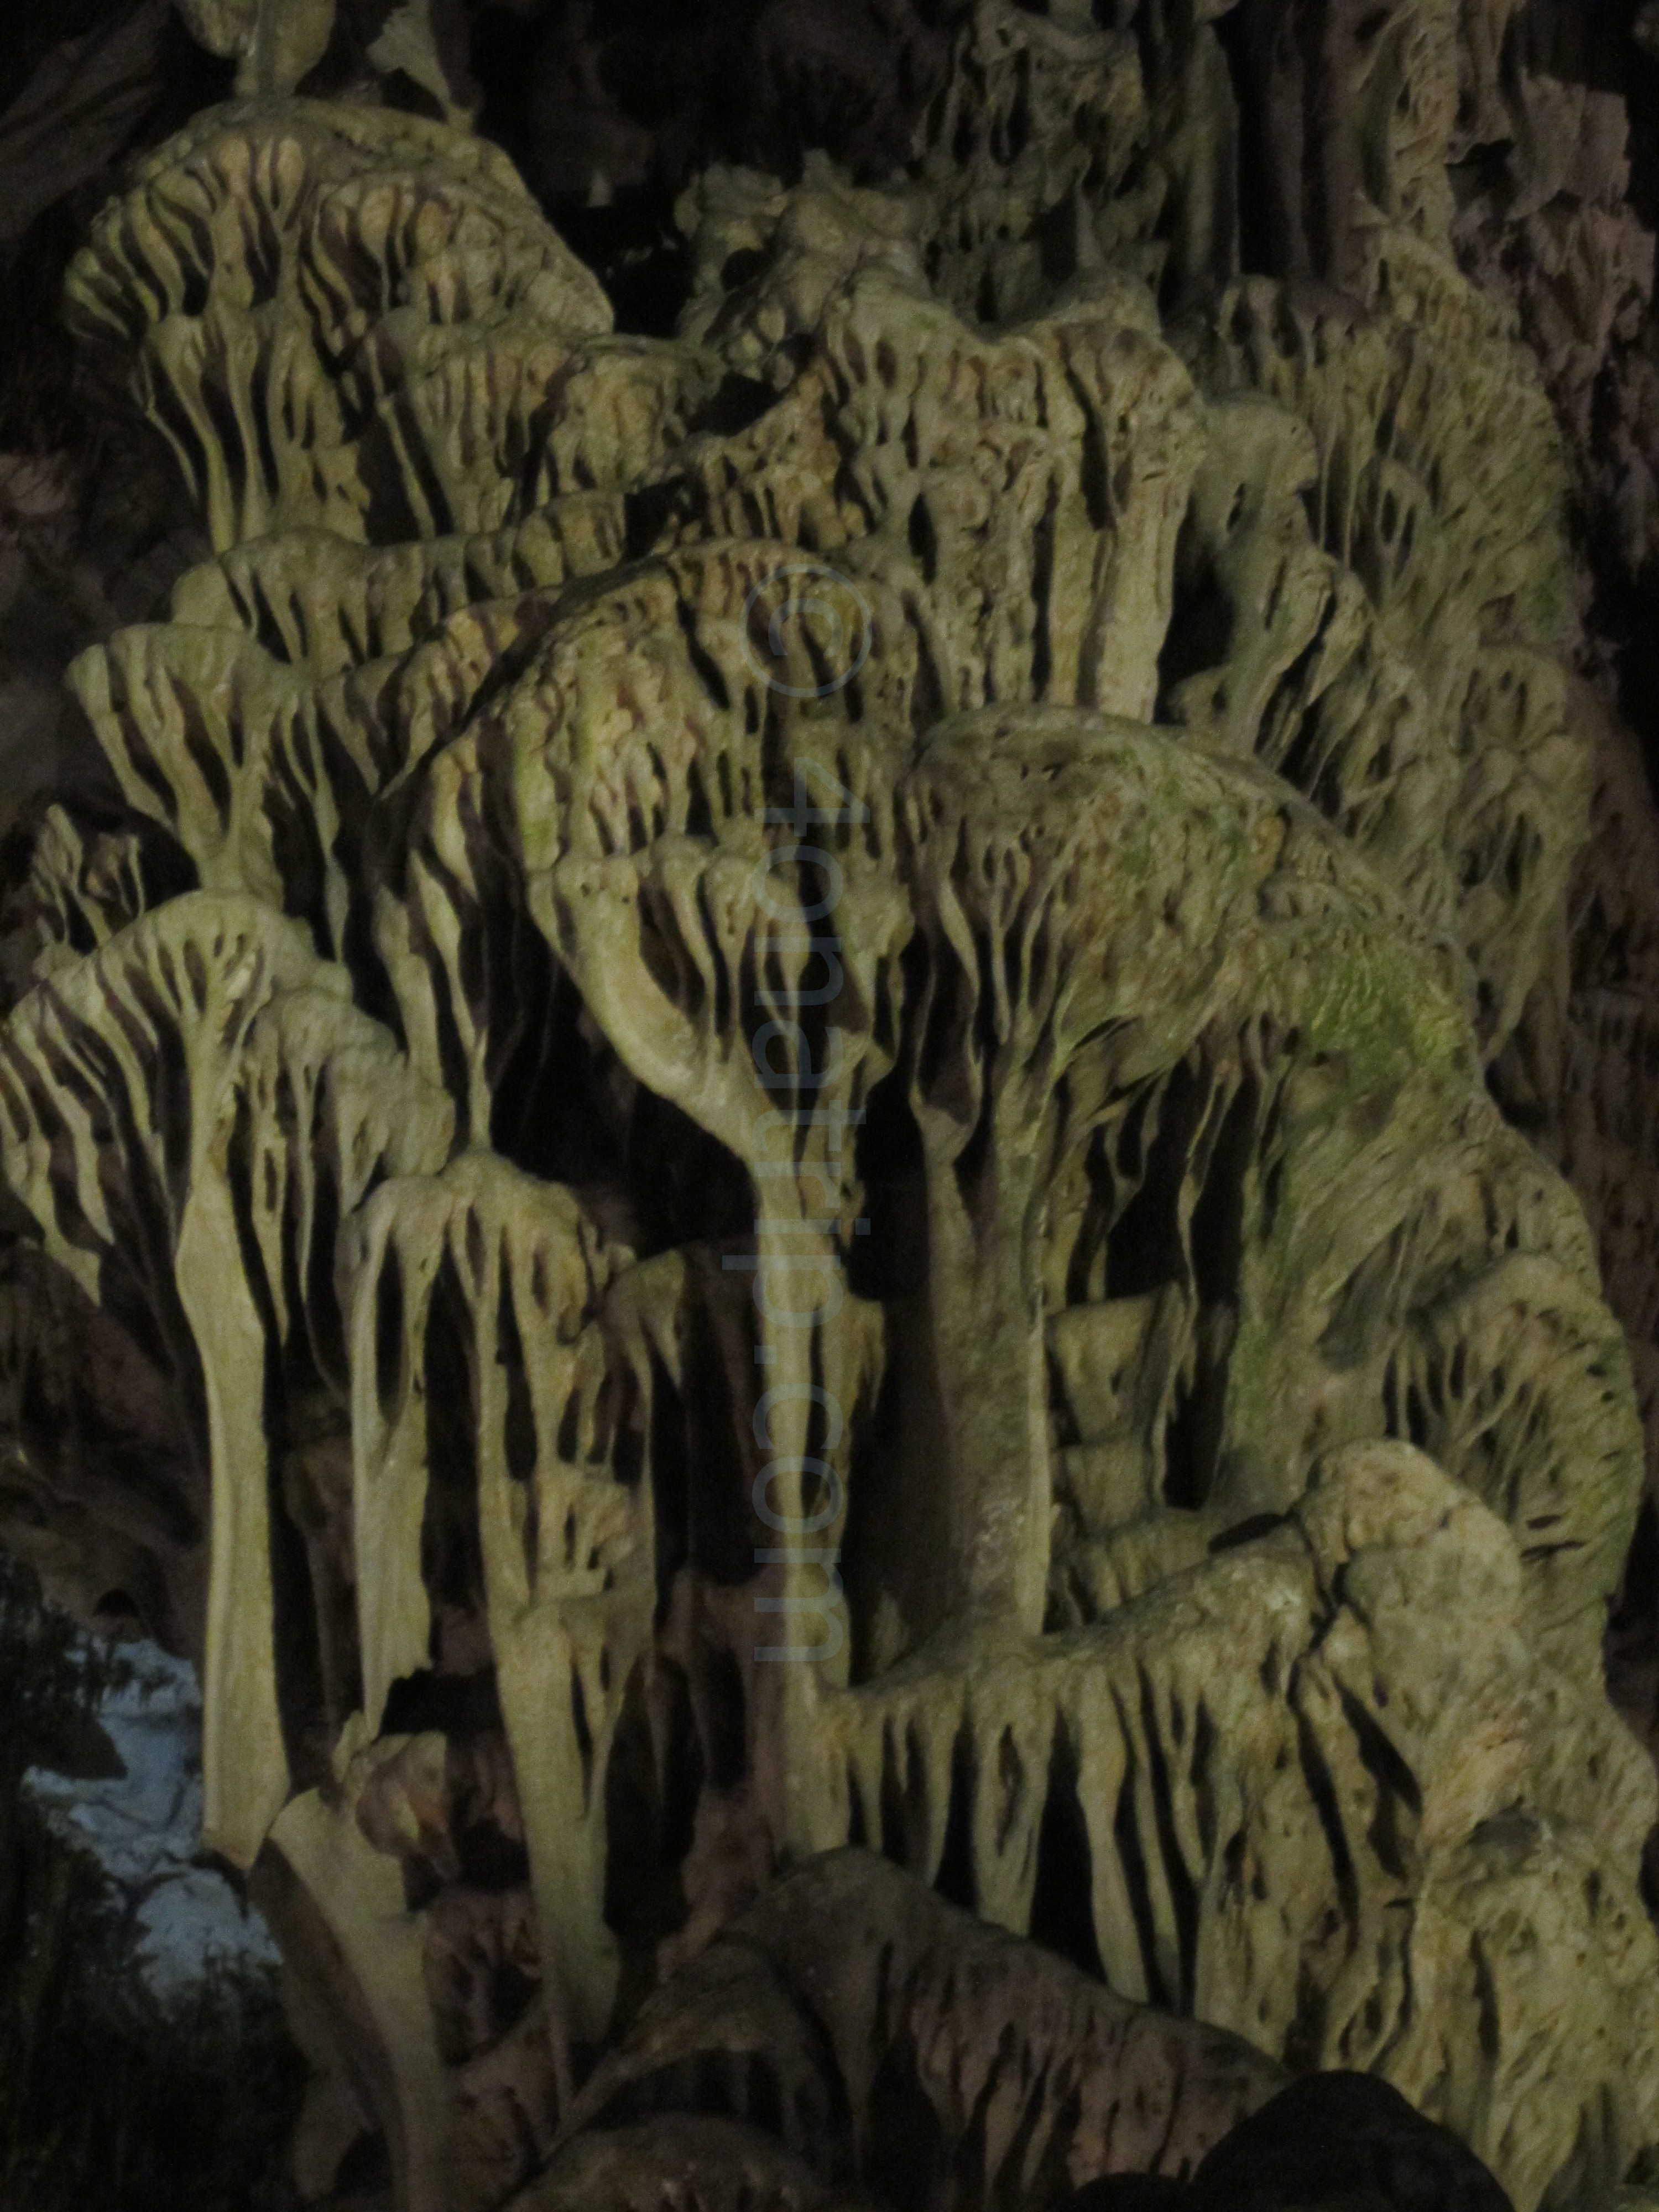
column 1062, row 1896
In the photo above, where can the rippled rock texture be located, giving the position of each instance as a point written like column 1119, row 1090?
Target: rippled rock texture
column 756, row 1151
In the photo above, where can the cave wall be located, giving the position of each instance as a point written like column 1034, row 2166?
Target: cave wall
column 863, row 1070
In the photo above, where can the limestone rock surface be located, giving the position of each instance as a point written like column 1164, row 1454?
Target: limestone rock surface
column 772, row 1089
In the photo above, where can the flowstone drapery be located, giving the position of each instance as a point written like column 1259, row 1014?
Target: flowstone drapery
column 823, row 988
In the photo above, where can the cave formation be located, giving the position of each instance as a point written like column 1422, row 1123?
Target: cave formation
column 829, row 1132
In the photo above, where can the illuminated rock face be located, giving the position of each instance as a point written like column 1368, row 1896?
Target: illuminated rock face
column 769, row 1132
